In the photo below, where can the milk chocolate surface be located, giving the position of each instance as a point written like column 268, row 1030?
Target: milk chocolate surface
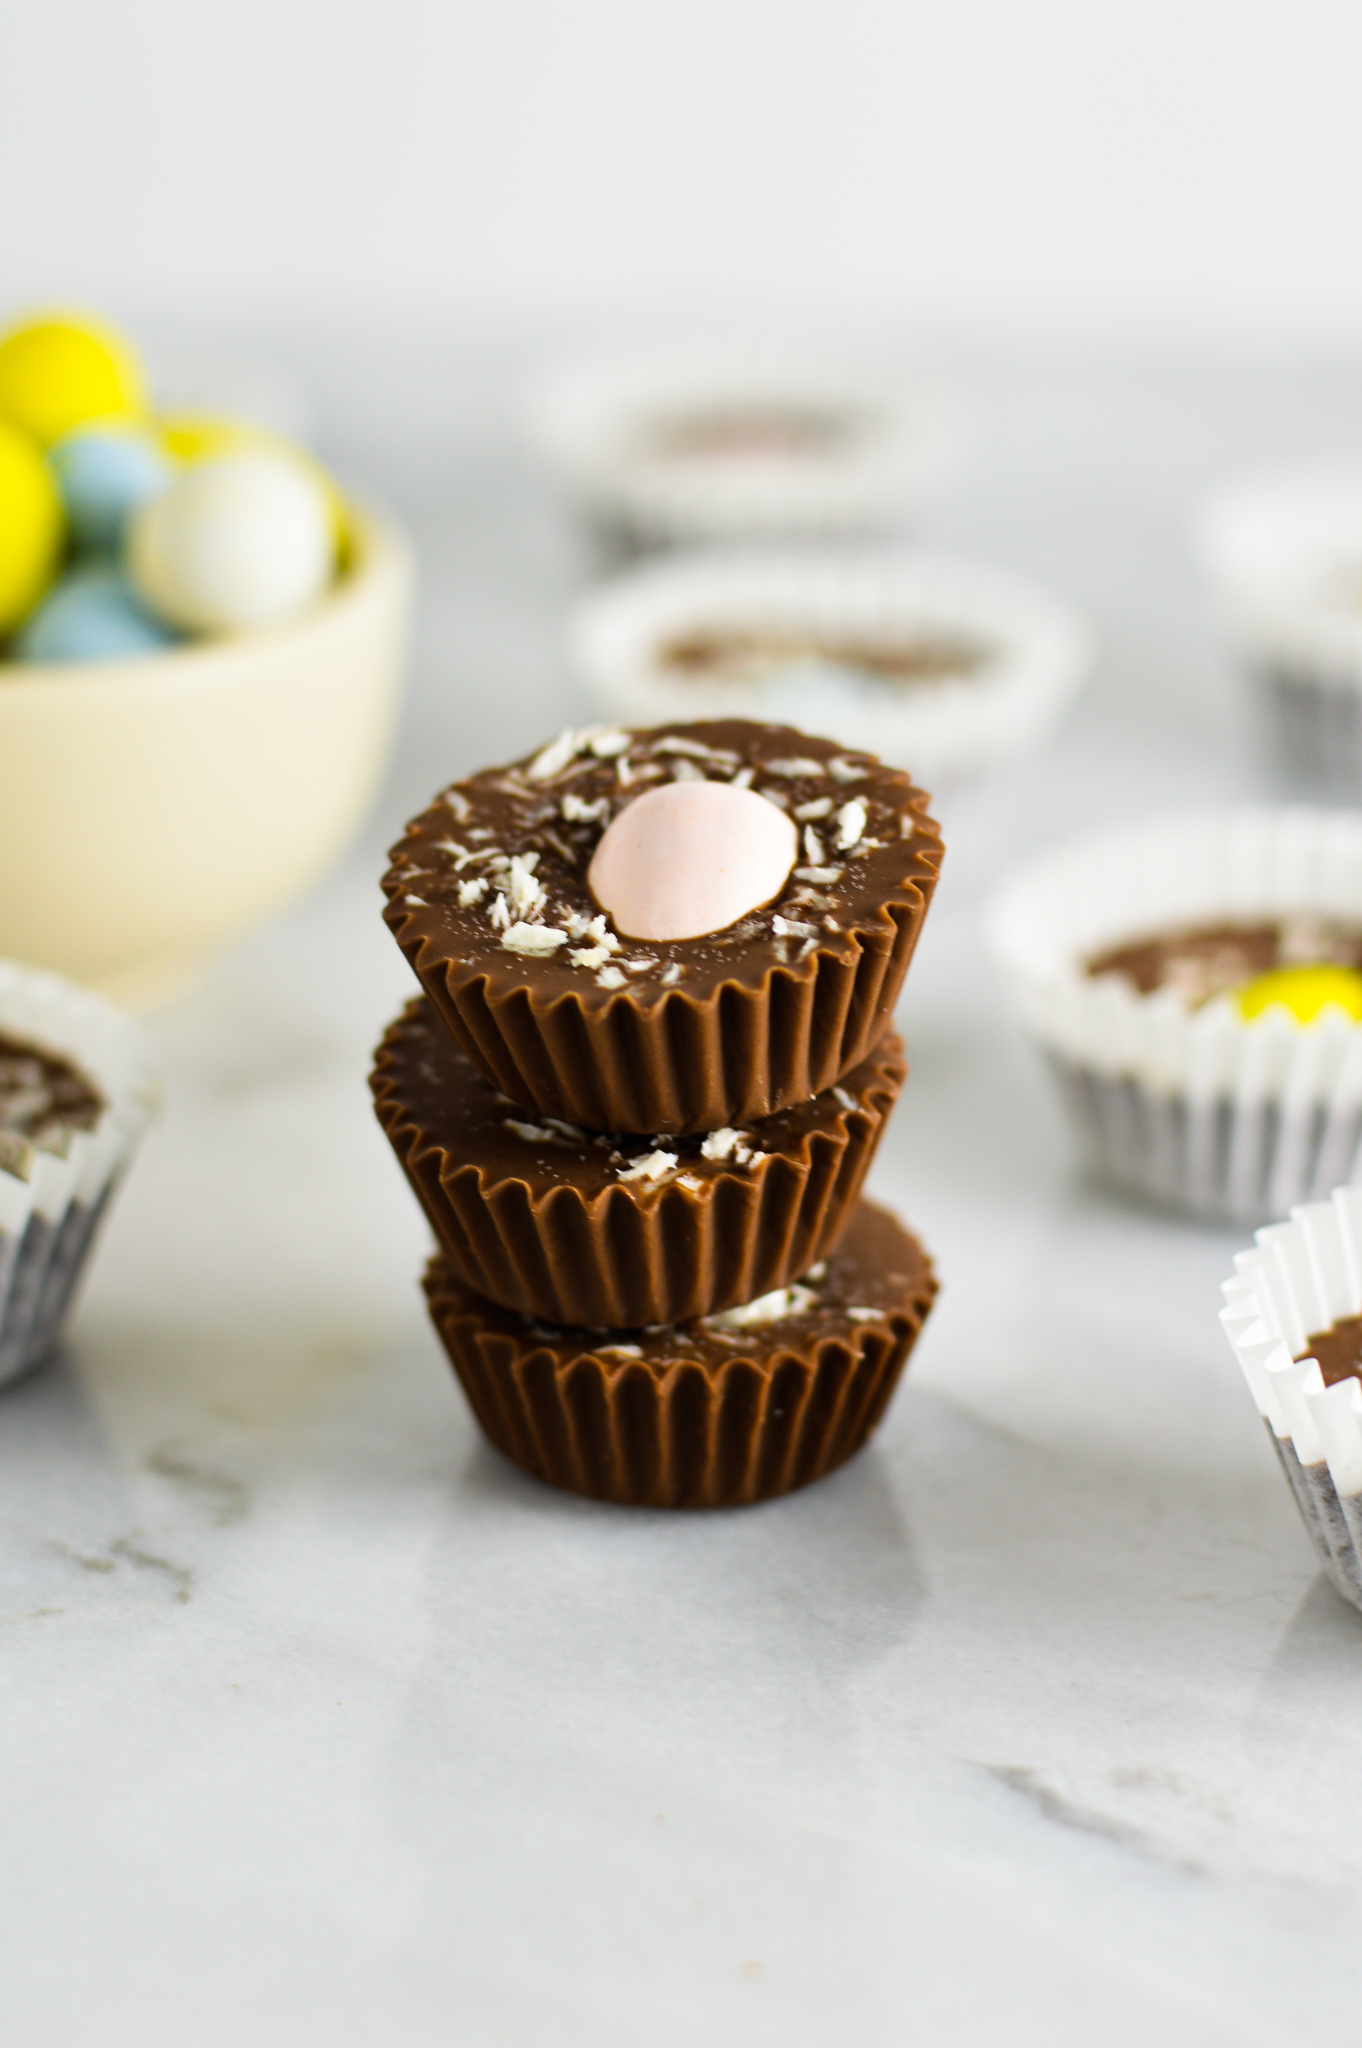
column 712, row 1413
column 723, row 432
column 43, row 1097
column 863, row 834
column 1338, row 1350
column 1199, row 962
column 748, row 657
column 578, row 1227
column 459, row 1111
column 489, row 899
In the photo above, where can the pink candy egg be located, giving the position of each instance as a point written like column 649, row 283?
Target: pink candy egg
column 691, row 858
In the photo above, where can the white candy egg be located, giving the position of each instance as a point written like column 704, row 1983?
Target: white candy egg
column 691, row 858
column 241, row 539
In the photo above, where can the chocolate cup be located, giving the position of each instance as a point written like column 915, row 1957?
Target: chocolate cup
column 746, row 1031
column 548, row 1229
column 680, row 1417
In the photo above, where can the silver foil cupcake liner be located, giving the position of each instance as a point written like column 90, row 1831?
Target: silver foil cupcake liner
column 1283, row 554
column 1196, row 1109
column 1300, row 1278
column 52, row 1201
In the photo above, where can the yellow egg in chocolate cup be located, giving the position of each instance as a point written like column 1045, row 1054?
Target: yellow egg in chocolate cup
column 154, row 809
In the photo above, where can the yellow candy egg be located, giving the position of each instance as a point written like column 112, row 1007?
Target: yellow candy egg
column 1304, row 991
column 58, row 372
column 31, row 527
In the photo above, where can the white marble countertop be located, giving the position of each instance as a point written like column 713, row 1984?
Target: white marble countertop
column 1036, row 1723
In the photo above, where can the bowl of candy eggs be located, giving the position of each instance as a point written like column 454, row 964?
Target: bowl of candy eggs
column 201, row 651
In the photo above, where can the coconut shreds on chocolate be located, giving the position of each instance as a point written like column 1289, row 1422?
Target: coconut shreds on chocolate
column 513, row 876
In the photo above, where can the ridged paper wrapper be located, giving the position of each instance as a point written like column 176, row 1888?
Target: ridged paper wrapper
column 1301, row 1277
column 1193, row 1108
column 51, row 1203
column 1283, row 553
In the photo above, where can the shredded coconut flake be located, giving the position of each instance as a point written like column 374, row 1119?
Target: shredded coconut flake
column 819, row 808
column 813, row 848
column 610, row 977
column 674, row 744
column 578, row 811
column 650, row 1166
column 847, row 1101
column 533, row 939
column 419, row 901
column 525, row 895
column 743, row 778
column 458, row 803
column 851, row 821
column 533, row 1134
column 554, row 758
column 618, row 1350
column 791, row 928
column 862, row 1315
column 472, row 892
column 824, row 875
column 590, row 956
column 609, row 742
column 672, row 973
column 842, row 770
column 729, row 1144
column 794, row 767
column 767, row 1308
column 499, row 917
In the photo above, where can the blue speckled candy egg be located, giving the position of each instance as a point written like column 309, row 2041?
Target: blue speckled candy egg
column 105, row 471
column 93, row 614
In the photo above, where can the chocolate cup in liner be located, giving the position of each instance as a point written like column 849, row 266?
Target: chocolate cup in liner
column 614, row 431
column 746, row 1035
column 710, row 1413
column 1283, row 553
column 51, row 1202
column 1003, row 659
column 535, row 1218
column 1301, row 1278
column 1195, row 1109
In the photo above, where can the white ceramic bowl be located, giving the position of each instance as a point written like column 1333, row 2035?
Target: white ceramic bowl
column 152, row 810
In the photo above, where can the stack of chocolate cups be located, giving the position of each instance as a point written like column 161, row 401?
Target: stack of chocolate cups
column 640, row 1092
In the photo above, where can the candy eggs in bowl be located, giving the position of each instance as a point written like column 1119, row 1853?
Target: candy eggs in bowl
column 200, row 662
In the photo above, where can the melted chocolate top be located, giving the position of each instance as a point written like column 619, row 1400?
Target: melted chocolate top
column 43, row 1097
column 725, row 432
column 1199, row 962
column 457, row 1109
column 493, row 877
column 877, row 1275
column 1338, row 1349
column 715, row 654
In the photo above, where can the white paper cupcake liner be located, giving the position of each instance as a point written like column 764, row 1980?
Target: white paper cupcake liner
column 51, row 1204
column 1301, row 1277
column 944, row 730
column 1283, row 553
column 1191, row 1108
column 592, row 422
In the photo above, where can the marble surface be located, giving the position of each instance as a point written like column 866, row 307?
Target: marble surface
column 1036, row 1723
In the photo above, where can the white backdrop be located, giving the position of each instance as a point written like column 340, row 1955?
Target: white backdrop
column 1174, row 168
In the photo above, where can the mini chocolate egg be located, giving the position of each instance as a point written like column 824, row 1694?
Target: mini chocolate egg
column 105, row 471
column 93, row 614
column 691, row 858
column 31, row 527
column 194, row 436
column 57, row 373
column 1303, row 991
column 241, row 539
